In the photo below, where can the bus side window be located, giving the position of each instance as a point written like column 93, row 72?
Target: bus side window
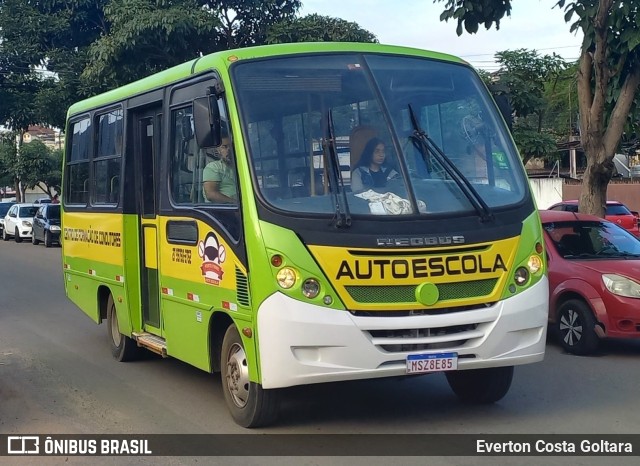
column 77, row 181
column 184, row 170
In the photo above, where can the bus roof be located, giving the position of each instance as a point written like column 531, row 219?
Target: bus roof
column 227, row 57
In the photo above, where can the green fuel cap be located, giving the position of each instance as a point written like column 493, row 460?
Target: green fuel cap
column 427, row 293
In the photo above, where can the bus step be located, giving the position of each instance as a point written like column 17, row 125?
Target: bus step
column 152, row 342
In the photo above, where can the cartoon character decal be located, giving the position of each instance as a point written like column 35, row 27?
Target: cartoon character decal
column 213, row 255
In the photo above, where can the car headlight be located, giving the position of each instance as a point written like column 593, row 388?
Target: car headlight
column 26, row 223
column 54, row 228
column 622, row 286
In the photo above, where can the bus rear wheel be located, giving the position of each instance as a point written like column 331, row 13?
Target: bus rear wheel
column 250, row 404
column 481, row 386
column 123, row 348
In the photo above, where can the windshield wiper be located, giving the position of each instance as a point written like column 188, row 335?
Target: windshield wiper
column 427, row 146
column 342, row 215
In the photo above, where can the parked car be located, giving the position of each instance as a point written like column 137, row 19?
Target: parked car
column 19, row 221
column 42, row 200
column 4, row 208
column 594, row 280
column 615, row 212
column 46, row 225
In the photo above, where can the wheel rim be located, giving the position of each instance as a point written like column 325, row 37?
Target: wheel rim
column 115, row 330
column 237, row 375
column 571, row 327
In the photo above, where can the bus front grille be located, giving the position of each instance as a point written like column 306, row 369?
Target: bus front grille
column 407, row 293
column 419, row 339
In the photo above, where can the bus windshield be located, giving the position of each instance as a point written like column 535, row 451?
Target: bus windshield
column 348, row 132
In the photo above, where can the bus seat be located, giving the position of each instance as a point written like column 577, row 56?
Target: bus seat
column 358, row 139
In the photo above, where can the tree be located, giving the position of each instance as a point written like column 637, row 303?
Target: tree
column 163, row 34
column 607, row 80
column 527, row 76
column 247, row 22
column 159, row 35
column 8, row 176
column 40, row 167
column 50, row 39
column 317, row 28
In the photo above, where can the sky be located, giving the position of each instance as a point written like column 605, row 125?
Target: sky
column 533, row 24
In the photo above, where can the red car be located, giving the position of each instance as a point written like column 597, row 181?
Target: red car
column 594, row 280
column 615, row 212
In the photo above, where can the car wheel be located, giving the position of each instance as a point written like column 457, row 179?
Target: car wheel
column 47, row 239
column 17, row 236
column 575, row 327
column 481, row 386
column 5, row 236
column 34, row 241
column 123, row 348
column 250, row 405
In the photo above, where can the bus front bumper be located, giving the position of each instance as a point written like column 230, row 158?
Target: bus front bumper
column 302, row 343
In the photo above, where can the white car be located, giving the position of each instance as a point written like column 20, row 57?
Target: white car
column 19, row 221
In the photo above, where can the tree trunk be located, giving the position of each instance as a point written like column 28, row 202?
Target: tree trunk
column 16, row 189
column 593, row 195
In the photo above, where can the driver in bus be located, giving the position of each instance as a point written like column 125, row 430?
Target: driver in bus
column 219, row 177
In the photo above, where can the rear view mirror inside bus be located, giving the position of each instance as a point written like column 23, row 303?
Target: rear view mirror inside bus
column 206, row 121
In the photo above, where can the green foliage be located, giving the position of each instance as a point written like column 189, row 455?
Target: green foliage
column 317, row 28
column 7, row 161
column 247, row 22
column 36, row 38
column 561, row 97
column 38, row 166
column 532, row 142
column 525, row 73
column 608, row 76
column 526, row 76
column 160, row 34
column 470, row 14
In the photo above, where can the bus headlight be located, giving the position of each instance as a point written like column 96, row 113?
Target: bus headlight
column 534, row 264
column 286, row 277
column 54, row 228
column 311, row 288
column 521, row 276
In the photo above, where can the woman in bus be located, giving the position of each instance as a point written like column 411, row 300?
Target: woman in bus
column 371, row 171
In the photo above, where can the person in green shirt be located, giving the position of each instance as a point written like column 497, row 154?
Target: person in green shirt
column 219, row 177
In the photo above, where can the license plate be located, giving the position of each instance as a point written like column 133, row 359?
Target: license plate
column 425, row 363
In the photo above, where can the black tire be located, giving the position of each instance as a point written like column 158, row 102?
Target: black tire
column 34, row 241
column 575, row 328
column 481, row 386
column 249, row 404
column 17, row 236
column 47, row 239
column 5, row 236
column 123, row 348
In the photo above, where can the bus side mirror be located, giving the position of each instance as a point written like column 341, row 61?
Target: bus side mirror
column 502, row 101
column 206, row 121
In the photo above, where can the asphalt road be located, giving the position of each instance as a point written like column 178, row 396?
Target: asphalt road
column 57, row 376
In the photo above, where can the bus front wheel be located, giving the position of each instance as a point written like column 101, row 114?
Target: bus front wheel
column 123, row 348
column 481, row 386
column 250, row 404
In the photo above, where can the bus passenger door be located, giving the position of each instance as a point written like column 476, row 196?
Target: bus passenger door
column 147, row 152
